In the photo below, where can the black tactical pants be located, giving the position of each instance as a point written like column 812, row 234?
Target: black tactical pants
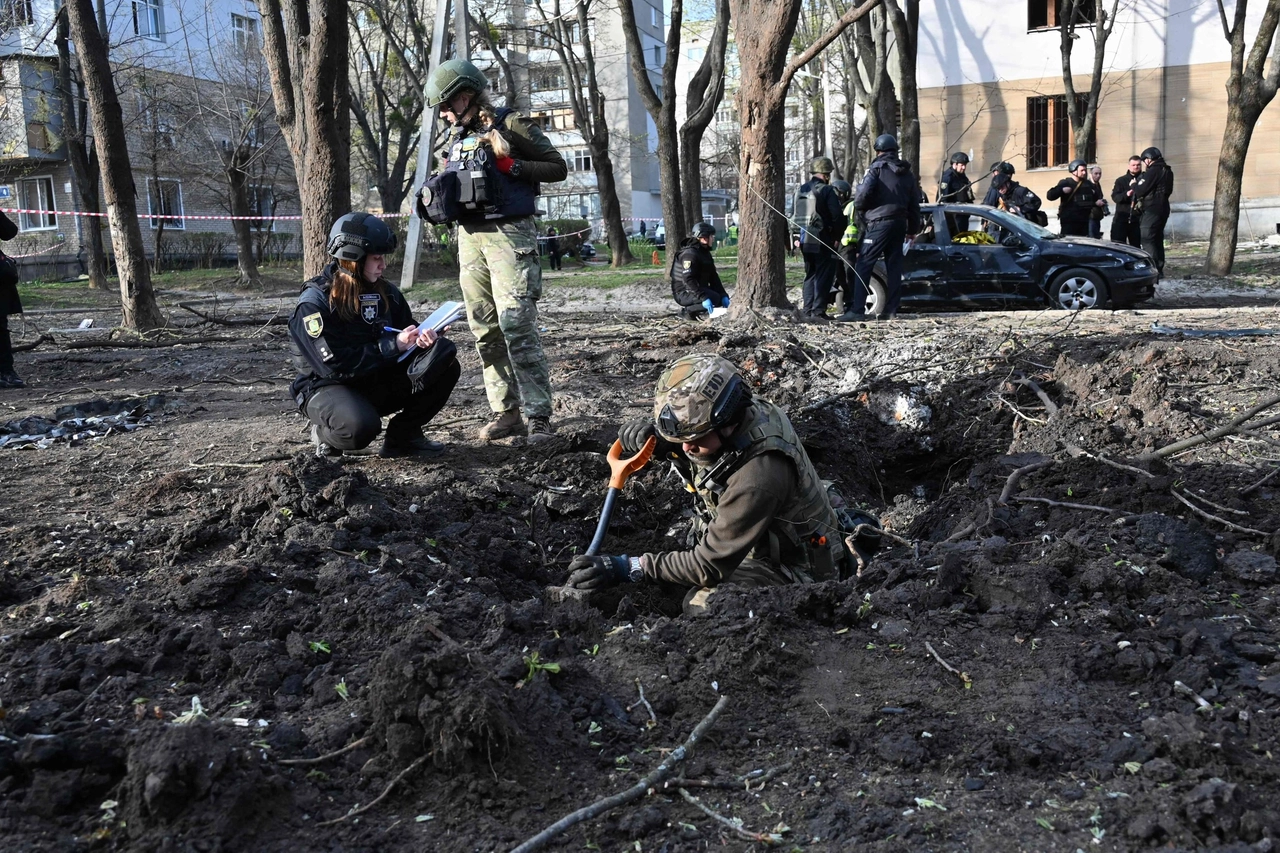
column 1074, row 227
column 6, row 346
column 1126, row 227
column 1153, row 221
column 349, row 417
column 882, row 239
column 819, row 273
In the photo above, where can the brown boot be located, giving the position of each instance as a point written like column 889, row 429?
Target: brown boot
column 505, row 424
column 540, row 430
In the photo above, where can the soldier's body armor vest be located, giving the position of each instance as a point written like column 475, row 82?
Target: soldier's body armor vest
column 804, row 540
column 487, row 193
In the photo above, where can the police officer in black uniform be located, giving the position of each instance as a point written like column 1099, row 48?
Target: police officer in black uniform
column 1077, row 197
column 1000, row 172
column 353, row 365
column 889, row 201
column 956, row 188
column 695, row 283
column 817, row 212
column 1018, row 200
column 1126, row 224
column 1151, row 195
column 840, row 285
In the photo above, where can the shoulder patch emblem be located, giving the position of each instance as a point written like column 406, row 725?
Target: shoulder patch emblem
column 688, row 264
column 370, row 307
column 314, row 324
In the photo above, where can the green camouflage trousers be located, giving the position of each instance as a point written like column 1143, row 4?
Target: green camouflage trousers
column 501, row 282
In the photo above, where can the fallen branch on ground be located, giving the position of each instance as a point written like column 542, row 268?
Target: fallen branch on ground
column 1012, row 483
column 766, row 838
column 743, row 782
column 210, row 339
column 653, row 718
column 300, row 762
column 37, row 342
column 1067, row 505
column 1201, row 703
column 385, row 791
column 1080, row 451
column 963, row 676
column 276, row 319
column 1210, row 517
column 1230, row 428
column 1247, row 489
column 635, row 792
column 1049, row 406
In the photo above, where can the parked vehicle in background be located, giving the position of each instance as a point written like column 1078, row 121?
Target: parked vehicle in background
column 1005, row 261
column 660, row 235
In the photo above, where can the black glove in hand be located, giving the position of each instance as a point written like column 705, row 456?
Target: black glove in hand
column 633, row 434
column 598, row 572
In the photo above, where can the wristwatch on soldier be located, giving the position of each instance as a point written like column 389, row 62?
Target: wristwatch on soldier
column 517, row 166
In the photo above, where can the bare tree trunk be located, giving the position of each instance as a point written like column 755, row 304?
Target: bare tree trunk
column 84, row 166
column 662, row 109
column 763, row 33
column 593, row 123
column 305, row 46
column 905, row 31
column 238, row 184
column 706, row 91
column 1250, row 88
column 1084, row 121
column 137, row 299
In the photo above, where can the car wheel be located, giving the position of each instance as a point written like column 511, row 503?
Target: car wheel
column 1078, row 289
column 877, row 296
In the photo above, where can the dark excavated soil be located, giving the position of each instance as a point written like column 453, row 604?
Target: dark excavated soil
column 309, row 603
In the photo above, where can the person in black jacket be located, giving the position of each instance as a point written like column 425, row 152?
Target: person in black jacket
column 999, row 173
column 818, row 213
column 354, row 341
column 889, row 200
column 1020, row 201
column 10, row 303
column 553, row 246
column 1077, row 197
column 1151, row 195
column 695, row 283
column 955, row 188
column 1126, row 224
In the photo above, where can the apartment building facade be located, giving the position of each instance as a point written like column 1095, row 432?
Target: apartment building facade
column 192, row 89
column 991, row 85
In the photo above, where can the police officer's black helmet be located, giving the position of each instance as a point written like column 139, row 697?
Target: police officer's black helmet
column 886, row 142
column 1006, row 168
column 702, row 229
column 843, row 189
column 1075, row 164
column 1152, row 153
column 960, row 157
column 358, row 234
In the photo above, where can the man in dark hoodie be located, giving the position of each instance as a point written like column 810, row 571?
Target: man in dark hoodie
column 1151, row 195
column 889, row 200
column 695, row 283
column 1125, row 225
column 1077, row 197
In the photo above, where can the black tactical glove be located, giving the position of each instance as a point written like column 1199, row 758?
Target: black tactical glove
column 633, row 434
column 601, row 572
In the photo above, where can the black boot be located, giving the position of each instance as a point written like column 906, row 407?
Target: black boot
column 408, row 442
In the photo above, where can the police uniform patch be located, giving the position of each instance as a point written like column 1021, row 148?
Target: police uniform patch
column 688, row 264
column 370, row 307
column 314, row 324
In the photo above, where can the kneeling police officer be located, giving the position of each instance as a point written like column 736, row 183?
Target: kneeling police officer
column 359, row 353
column 695, row 282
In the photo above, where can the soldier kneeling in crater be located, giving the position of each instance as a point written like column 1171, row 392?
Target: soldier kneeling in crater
column 764, row 518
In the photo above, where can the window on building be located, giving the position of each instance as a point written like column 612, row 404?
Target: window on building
column 695, row 53
column 1043, row 14
column 14, row 13
column 547, row 79
column 555, row 120
column 164, row 199
column 655, row 16
column 148, row 19
column 262, row 201
column 657, row 54
column 579, row 160
column 245, row 32
column 37, row 194
column 1049, row 135
column 37, row 136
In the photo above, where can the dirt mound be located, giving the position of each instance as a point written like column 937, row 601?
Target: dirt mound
column 1070, row 644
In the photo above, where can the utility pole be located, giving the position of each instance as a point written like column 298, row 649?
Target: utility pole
column 440, row 43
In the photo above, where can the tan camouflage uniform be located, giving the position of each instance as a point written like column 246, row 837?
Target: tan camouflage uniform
column 501, row 282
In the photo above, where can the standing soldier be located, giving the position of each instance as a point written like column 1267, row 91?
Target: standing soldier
column 1077, row 197
column 817, row 212
column 1125, row 225
column 501, row 278
column 1151, row 196
column 889, row 201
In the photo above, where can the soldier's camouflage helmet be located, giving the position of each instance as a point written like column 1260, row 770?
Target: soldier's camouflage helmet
column 696, row 394
column 450, row 77
column 821, row 166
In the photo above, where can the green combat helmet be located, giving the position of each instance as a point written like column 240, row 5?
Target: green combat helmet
column 821, row 166
column 696, row 394
column 450, row 77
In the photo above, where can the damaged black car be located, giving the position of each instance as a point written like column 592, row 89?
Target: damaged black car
column 979, row 257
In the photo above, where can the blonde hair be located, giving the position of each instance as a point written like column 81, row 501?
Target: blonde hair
column 348, row 283
column 488, row 118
